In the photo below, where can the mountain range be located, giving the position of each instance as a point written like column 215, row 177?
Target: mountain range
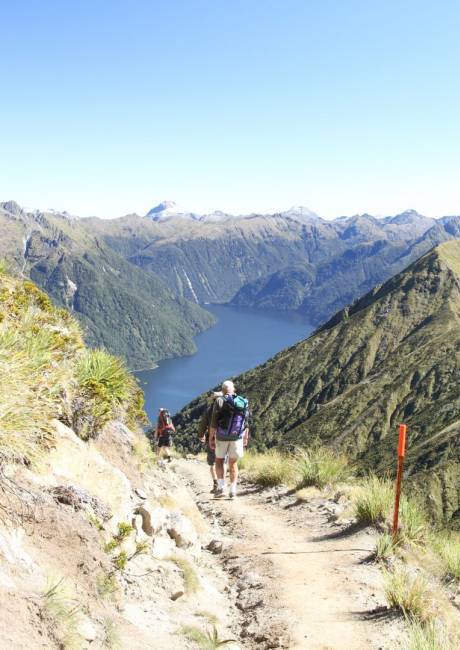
column 132, row 281
column 392, row 356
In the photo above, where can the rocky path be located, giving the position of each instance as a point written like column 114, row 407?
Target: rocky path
column 300, row 580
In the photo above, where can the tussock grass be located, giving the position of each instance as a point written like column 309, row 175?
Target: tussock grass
column 413, row 523
column 143, row 453
column 108, row 388
column 446, row 546
column 429, row 636
column 208, row 640
column 373, row 501
column 319, row 466
column 38, row 346
column 64, row 613
column 190, row 576
column 385, row 547
column 270, row 469
column 408, row 594
column 111, row 638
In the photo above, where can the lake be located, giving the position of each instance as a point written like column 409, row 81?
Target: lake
column 241, row 339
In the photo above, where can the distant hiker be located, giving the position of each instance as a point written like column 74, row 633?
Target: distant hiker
column 164, row 433
column 203, row 435
column 228, row 434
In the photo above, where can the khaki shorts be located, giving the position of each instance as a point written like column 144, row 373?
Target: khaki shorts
column 233, row 448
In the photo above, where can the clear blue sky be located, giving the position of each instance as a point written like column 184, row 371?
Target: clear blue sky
column 345, row 106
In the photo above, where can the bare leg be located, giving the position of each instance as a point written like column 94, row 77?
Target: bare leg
column 220, row 468
column 233, row 468
column 213, row 472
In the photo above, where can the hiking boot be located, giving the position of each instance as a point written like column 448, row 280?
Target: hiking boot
column 218, row 492
column 232, row 494
column 214, row 488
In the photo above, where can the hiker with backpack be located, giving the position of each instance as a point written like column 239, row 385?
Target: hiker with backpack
column 163, row 433
column 203, row 436
column 229, row 434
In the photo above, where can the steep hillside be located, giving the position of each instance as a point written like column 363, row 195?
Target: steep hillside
column 127, row 310
column 100, row 546
column 393, row 356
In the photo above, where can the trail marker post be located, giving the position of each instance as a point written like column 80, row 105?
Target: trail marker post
column 401, row 454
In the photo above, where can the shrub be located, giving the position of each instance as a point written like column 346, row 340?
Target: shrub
column 106, row 585
column 373, row 501
column 408, row 594
column 320, row 466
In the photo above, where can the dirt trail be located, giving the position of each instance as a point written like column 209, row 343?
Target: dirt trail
column 315, row 585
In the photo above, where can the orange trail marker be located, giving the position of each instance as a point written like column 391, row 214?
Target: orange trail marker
column 401, row 454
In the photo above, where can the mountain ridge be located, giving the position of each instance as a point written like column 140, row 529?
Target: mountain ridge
column 392, row 356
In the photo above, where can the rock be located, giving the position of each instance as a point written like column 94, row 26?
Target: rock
column 176, row 595
column 81, row 499
column 140, row 493
column 87, row 629
column 215, row 546
column 163, row 547
column 181, row 530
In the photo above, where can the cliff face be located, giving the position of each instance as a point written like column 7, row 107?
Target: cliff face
column 100, row 545
column 393, row 356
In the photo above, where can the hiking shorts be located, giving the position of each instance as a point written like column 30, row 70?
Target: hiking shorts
column 233, row 448
column 165, row 441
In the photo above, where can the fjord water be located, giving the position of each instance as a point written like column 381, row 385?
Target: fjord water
column 241, row 339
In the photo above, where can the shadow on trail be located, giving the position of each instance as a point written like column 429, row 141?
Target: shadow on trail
column 352, row 529
column 329, row 550
column 382, row 613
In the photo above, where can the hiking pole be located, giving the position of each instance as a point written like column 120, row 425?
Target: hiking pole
column 399, row 475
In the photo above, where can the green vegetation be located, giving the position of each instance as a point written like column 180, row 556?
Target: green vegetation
column 46, row 374
column 428, row 636
column 206, row 640
column 269, row 469
column 63, row 611
column 374, row 500
column 111, row 638
column 385, row 547
column 446, row 545
column 409, row 594
column 390, row 357
column 190, row 576
column 107, row 388
column 320, row 466
column 107, row 586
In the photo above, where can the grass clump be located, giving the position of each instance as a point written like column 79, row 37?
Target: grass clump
column 428, row 636
column 111, row 638
column 408, row 594
column 64, row 614
column 320, row 466
column 108, row 390
column 385, row 547
column 413, row 523
column 208, row 640
column 447, row 547
column 189, row 575
column 373, row 501
column 107, row 586
column 269, row 469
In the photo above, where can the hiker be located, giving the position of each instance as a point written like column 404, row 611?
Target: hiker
column 229, row 434
column 203, row 435
column 163, row 433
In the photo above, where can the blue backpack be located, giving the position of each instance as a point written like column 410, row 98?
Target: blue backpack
column 232, row 419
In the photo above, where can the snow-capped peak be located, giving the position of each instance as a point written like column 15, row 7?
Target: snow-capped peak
column 169, row 209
